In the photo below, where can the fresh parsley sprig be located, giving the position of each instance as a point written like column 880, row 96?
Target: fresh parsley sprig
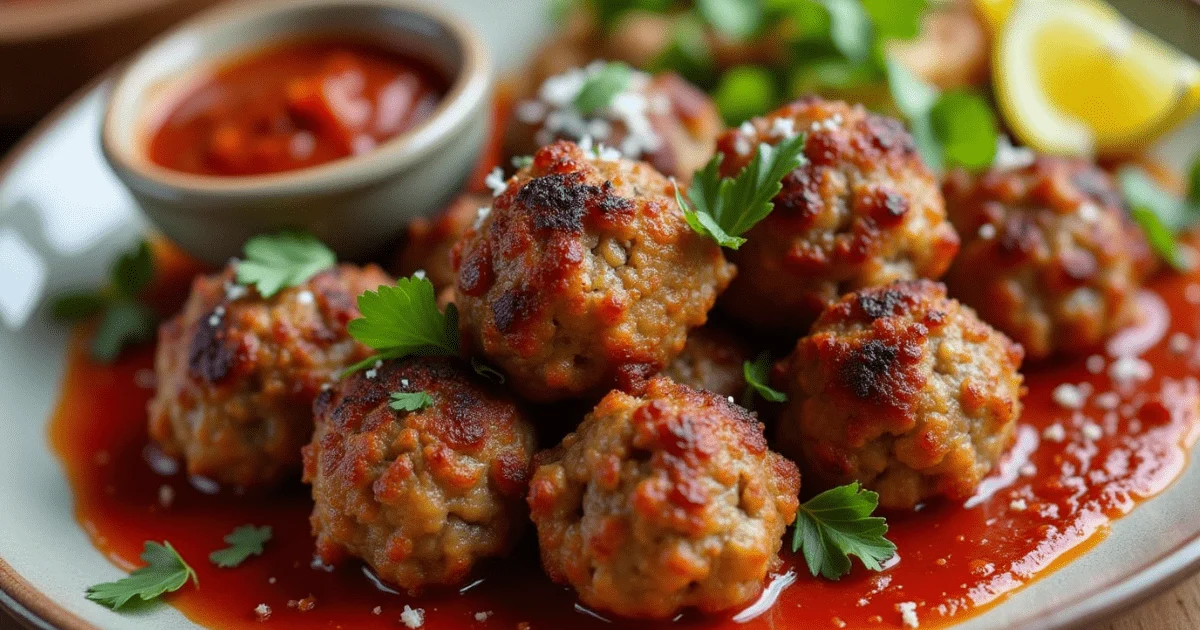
column 837, row 524
column 244, row 541
column 410, row 401
column 602, row 86
column 165, row 572
column 1160, row 214
column 956, row 128
column 278, row 261
column 757, row 373
column 125, row 320
column 724, row 208
column 404, row 320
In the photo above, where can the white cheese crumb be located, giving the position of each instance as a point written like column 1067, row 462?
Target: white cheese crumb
column 419, row 274
column 908, row 614
column 747, row 128
column 1089, row 212
column 318, row 565
column 326, row 386
column 1069, row 396
column 305, row 297
column 1028, row 470
column 1095, row 364
column 495, row 181
column 166, row 496
column 1092, row 431
column 371, row 373
column 1055, row 433
column 413, row 617
column 1127, row 370
column 214, row 320
column 1108, row 400
column 1018, row 505
column 1010, row 157
column 271, row 580
column 481, row 215
column 1178, row 343
column 483, row 616
column 234, row 291
column 403, row 382
column 262, row 612
column 987, row 231
column 378, row 610
column 786, row 127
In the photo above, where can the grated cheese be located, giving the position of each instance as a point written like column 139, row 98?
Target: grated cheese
column 262, row 612
column 1069, row 396
column 1018, row 505
column 1127, row 370
column 908, row 614
column 495, row 180
column 1055, row 433
column 1092, row 431
column 987, row 231
column 413, row 617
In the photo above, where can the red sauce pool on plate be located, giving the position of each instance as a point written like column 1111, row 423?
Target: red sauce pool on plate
column 294, row 106
column 1069, row 474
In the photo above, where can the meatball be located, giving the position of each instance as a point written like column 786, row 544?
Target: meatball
column 584, row 276
column 952, row 49
column 711, row 360
column 237, row 373
column 428, row 241
column 421, row 495
column 663, row 502
column 1048, row 254
column 661, row 119
column 904, row 390
column 862, row 211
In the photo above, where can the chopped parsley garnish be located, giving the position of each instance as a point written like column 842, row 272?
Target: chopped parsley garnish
column 735, row 19
column 410, row 401
column 850, row 29
column 404, row 320
column 757, row 373
column 724, row 208
column 837, row 524
column 125, row 320
column 957, row 128
column 165, row 572
column 278, row 261
column 244, row 541
column 487, row 371
column 1160, row 214
column 603, row 86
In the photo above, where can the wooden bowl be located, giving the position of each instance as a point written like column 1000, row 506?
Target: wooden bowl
column 48, row 48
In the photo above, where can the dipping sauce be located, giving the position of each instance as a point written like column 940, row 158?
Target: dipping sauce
column 294, row 106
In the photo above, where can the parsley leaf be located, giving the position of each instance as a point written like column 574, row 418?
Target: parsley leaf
column 77, row 305
column 410, row 401
column 1194, row 183
column 745, row 92
column 735, row 19
column 134, row 270
column 1159, row 213
column 850, row 28
column 966, row 128
column 896, row 19
column 165, row 572
column 757, row 373
column 916, row 99
column 724, row 208
column 602, row 87
column 244, row 541
column 288, row 259
column 404, row 320
column 837, row 524
column 125, row 323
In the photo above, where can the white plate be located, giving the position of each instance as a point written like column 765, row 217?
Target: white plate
column 63, row 217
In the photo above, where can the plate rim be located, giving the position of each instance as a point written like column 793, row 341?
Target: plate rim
column 29, row 606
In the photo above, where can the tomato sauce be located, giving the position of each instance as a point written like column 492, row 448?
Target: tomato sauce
column 295, row 106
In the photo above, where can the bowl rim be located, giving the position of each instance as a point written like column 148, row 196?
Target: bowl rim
column 466, row 92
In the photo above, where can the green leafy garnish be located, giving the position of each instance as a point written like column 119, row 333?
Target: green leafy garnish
column 165, row 572
column 244, row 541
column 1160, row 214
column 404, row 320
column 757, row 373
column 487, row 371
column 837, row 524
column 410, row 401
column 602, row 86
column 125, row 320
column 278, row 261
column 850, row 28
column 735, row 19
column 744, row 92
column 957, row 128
column 724, row 208
column 896, row 19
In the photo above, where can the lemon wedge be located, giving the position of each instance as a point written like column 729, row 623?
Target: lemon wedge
column 1074, row 77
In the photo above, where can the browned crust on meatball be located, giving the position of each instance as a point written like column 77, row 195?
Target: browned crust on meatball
column 428, row 240
column 236, row 379
column 584, row 277
column 712, row 360
column 862, row 211
column 664, row 502
column 904, row 390
column 1049, row 256
column 421, row 496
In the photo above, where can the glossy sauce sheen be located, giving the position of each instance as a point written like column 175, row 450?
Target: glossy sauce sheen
column 295, row 106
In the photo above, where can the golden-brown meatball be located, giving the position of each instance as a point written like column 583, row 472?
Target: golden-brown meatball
column 902, row 389
column 661, row 119
column 428, row 241
column 663, row 502
column 584, row 276
column 237, row 374
column 711, row 360
column 422, row 495
column 862, row 211
column 1048, row 254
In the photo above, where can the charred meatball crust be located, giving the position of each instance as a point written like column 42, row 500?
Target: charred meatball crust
column 237, row 377
column 423, row 495
column 584, row 276
column 862, row 211
column 661, row 119
column 1049, row 256
column 663, row 502
column 428, row 241
column 712, row 360
column 902, row 389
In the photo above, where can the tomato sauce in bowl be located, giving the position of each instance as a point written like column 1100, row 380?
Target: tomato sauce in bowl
column 293, row 106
